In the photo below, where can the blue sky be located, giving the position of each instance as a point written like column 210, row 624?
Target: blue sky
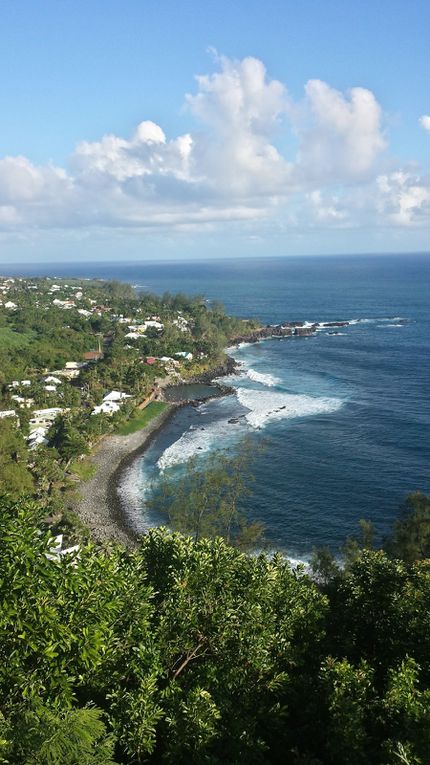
column 305, row 134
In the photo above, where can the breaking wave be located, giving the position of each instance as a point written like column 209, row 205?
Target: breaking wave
column 376, row 321
column 264, row 407
column 264, row 378
column 200, row 440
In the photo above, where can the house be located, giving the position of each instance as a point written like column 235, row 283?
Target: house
column 169, row 362
column 181, row 324
column 48, row 414
column 93, row 355
column 37, row 437
column 184, row 355
column 45, row 417
column 116, row 395
column 23, row 402
column 65, row 304
column 56, row 551
column 50, row 388
column 7, row 413
column 151, row 360
column 107, row 407
column 69, row 374
column 10, row 305
column 155, row 324
column 52, row 379
column 38, row 432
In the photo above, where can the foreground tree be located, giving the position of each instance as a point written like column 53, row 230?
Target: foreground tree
column 410, row 539
column 186, row 653
column 205, row 499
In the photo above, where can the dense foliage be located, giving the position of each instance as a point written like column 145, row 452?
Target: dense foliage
column 193, row 652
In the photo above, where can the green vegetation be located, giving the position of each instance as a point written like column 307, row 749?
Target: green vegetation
column 142, row 417
column 12, row 340
column 188, row 652
column 204, row 501
column 65, row 347
column 83, row 469
column 184, row 650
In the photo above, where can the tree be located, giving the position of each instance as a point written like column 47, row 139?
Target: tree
column 205, row 500
column 410, row 539
column 14, row 475
column 45, row 736
column 67, row 439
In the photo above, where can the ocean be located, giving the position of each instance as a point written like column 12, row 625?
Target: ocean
column 344, row 415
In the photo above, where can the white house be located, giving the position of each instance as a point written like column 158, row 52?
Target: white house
column 107, row 407
column 52, row 379
column 37, row 437
column 116, row 395
column 7, row 413
column 23, row 402
column 184, row 355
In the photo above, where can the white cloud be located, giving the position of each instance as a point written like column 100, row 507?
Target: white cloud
column 425, row 121
column 340, row 135
column 229, row 168
column 404, row 198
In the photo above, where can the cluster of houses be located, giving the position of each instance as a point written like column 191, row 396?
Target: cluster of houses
column 68, row 297
column 40, row 423
column 5, row 286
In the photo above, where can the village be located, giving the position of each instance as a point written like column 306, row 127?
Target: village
column 22, row 398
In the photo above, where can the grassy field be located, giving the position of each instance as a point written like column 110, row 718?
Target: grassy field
column 13, row 340
column 83, row 469
column 142, row 417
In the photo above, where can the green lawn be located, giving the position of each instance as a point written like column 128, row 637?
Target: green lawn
column 83, row 469
column 142, row 417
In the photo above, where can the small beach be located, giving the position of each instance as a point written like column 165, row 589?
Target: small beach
column 97, row 505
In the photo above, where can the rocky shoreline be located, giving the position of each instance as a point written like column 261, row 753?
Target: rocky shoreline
column 286, row 329
column 99, row 506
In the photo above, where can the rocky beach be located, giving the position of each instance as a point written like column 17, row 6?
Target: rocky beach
column 98, row 505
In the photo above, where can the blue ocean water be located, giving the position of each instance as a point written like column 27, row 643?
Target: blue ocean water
column 346, row 416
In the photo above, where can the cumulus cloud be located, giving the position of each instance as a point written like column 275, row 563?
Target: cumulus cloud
column 229, row 167
column 341, row 138
column 425, row 121
column 404, row 198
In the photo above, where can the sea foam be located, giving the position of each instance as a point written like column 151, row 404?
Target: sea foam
column 264, row 378
column 265, row 406
column 198, row 440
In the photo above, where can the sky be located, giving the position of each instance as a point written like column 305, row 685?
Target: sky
column 158, row 129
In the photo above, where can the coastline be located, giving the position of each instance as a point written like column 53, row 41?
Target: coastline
column 98, row 505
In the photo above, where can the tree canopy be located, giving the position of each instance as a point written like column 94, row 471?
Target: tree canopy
column 192, row 652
